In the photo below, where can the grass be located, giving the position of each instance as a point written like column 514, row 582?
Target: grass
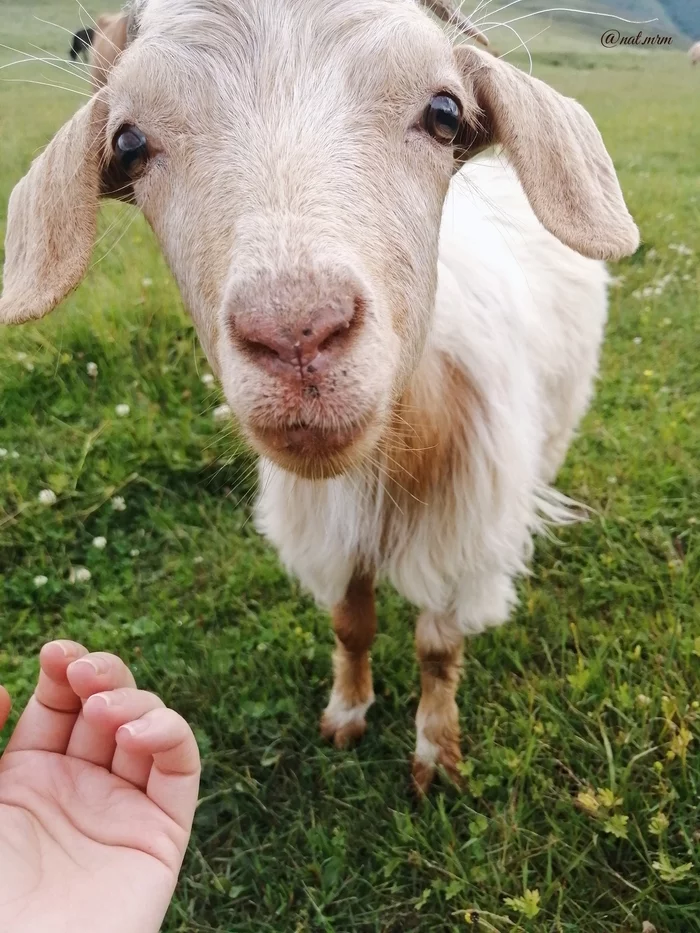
column 580, row 718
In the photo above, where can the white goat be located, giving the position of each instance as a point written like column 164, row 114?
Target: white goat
column 694, row 53
column 408, row 348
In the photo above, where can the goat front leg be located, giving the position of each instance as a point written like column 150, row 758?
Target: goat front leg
column 439, row 650
column 355, row 625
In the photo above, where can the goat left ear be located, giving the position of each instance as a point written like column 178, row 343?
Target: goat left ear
column 449, row 12
column 557, row 153
column 52, row 219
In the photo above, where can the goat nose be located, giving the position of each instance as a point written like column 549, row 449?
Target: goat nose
column 309, row 341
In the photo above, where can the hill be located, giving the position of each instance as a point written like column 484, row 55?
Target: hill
column 580, row 22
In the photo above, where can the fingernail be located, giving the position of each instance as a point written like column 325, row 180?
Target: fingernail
column 138, row 727
column 98, row 665
column 100, row 698
column 67, row 649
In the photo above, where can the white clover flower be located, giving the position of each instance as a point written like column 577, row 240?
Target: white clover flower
column 118, row 504
column 79, row 575
column 681, row 249
column 652, row 253
column 21, row 357
column 14, row 455
column 198, row 559
column 92, row 369
column 29, row 366
column 147, row 282
column 636, row 341
column 612, row 480
column 134, row 552
column 47, row 497
column 207, row 378
column 99, row 542
column 222, row 413
column 122, row 410
column 3, row 452
column 40, row 580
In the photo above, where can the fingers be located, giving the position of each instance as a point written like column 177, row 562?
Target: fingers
column 107, row 712
column 5, row 706
column 174, row 780
column 95, row 673
column 47, row 722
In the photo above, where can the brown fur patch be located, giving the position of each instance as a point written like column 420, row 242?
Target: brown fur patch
column 430, row 432
column 355, row 619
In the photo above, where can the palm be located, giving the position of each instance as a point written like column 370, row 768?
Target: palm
column 83, row 820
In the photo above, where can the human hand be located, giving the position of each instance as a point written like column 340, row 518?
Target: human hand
column 98, row 788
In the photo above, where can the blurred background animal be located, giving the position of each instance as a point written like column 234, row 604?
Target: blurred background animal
column 81, row 44
column 101, row 45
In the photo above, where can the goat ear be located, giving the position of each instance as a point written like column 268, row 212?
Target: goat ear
column 52, row 218
column 109, row 41
column 449, row 12
column 557, row 152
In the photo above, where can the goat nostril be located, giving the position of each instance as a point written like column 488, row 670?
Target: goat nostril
column 293, row 346
column 335, row 334
column 258, row 350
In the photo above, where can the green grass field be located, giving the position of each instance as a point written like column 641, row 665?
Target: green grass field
column 581, row 719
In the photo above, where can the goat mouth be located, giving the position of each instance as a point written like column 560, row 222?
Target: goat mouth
column 309, row 450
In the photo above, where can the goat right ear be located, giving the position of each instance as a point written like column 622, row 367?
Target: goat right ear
column 556, row 151
column 52, row 218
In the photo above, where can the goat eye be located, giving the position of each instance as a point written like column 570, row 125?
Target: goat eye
column 130, row 149
column 442, row 118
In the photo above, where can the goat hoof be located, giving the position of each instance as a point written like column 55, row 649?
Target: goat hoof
column 342, row 734
column 424, row 771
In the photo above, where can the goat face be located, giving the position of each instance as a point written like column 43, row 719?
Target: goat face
column 297, row 194
column 292, row 157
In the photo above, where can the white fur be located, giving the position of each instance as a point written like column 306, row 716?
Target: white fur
column 523, row 316
column 339, row 714
column 427, row 752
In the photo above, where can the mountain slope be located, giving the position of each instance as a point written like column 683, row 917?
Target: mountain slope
column 588, row 19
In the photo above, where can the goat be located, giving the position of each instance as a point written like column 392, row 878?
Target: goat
column 694, row 53
column 406, row 328
column 81, row 43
